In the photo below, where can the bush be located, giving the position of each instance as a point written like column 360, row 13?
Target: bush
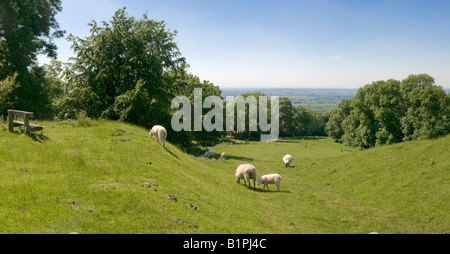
column 7, row 97
column 83, row 120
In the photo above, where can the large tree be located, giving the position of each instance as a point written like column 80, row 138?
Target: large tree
column 387, row 112
column 428, row 110
column 119, row 64
column 27, row 29
column 375, row 115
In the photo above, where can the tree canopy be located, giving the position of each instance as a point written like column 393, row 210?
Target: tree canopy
column 27, row 28
column 130, row 69
column 117, row 58
column 391, row 111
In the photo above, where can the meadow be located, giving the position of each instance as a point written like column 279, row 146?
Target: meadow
column 94, row 177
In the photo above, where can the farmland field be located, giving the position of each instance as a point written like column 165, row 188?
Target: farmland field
column 316, row 99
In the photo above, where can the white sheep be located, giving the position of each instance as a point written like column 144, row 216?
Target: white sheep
column 223, row 156
column 246, row 172
column 159, row 132
column 287, row 159
column 209, row 154
column 272, row 178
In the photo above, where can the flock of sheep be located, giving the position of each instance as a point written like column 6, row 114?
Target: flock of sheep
column 243, row 171
column 248, row 171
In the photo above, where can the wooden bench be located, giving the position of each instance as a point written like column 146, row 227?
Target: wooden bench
column 26, row 122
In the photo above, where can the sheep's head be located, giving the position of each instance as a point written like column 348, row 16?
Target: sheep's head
column 259, row 180
column 150, row 132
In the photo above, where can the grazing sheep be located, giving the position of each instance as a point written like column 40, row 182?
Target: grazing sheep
column 223, row 156
column 160, row 133
column 272, row 178
column 287, row 159
column 246, row 172
column 209, row 154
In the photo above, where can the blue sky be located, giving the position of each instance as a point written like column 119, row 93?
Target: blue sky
column 286, row 43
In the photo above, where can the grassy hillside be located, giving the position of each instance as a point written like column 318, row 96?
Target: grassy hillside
column 110, row 177
column 330, row 188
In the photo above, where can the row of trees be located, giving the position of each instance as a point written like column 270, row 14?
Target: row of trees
column 127, row 69
column 130, row 70
column 391, row 111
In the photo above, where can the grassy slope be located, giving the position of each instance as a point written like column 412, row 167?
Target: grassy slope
column 90, row 180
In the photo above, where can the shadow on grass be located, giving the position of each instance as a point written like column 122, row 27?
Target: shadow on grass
column 34, row 136
column 174, row 155
column 193, row 150
column 299, row 139
column 259, row 189
column 229, row 157
column 286, row 141
column 37, row 137
column 272, row 191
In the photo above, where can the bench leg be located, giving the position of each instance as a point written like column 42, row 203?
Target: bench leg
column 10, row 122
column 26, row 123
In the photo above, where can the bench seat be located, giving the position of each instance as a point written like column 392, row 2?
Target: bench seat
column 33, row 127
column 18, row 123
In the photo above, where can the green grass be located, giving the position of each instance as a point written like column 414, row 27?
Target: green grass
column 110, row 177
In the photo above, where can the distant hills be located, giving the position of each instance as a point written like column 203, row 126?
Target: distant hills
column 317, row 99
column 291, row 91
